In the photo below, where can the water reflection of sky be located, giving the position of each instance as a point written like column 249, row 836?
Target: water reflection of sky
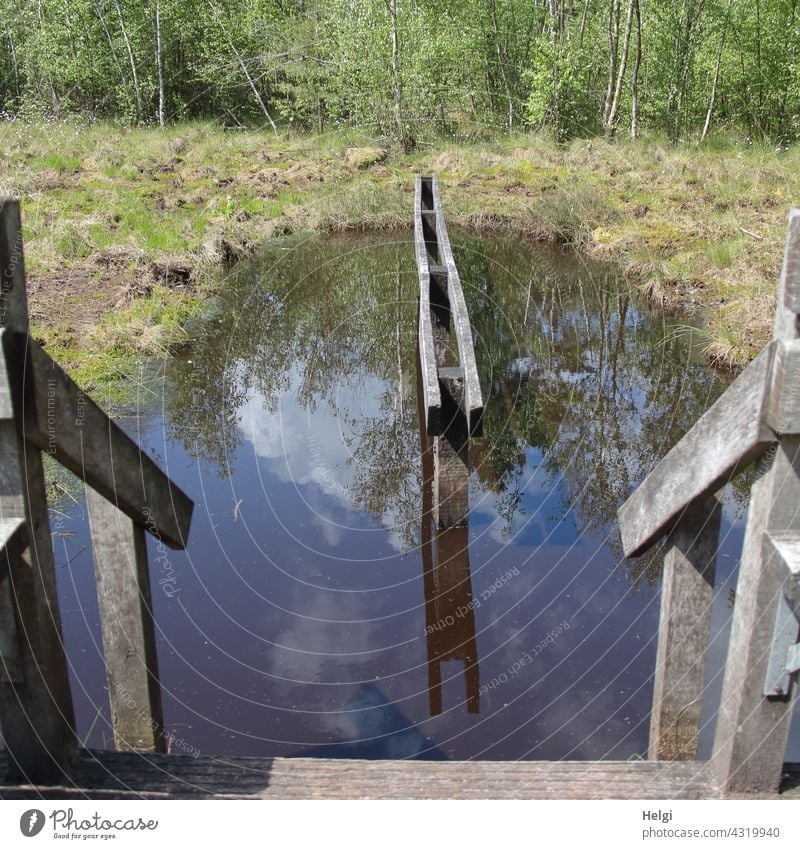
column 298, row 621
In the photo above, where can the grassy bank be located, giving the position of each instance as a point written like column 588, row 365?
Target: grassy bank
column 126, row 230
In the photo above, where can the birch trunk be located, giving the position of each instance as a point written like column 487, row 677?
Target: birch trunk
column 623, row 66
column 712, row 98
column 613, row 49
column 159, row 66
column 635, row 75
column 134, row 73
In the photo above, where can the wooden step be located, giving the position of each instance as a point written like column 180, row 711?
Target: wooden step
column 119, row 775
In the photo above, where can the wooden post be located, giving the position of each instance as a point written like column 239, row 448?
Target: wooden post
column 687, row 593
column 36, row 709
column 126, row 618
column 752, row 730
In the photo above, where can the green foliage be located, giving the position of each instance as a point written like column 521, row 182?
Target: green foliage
column 409, row 69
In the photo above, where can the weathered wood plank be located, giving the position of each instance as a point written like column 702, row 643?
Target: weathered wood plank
column 126, row 619
column 172, row 776
column 783, row 403
column 687, row 593
column 752, row 731
column 35, row 707
column 731, row 434
column 427, row 356
column 473, row 399
column 60, row 418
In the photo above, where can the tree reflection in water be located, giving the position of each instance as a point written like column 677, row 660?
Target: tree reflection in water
column 583, row 388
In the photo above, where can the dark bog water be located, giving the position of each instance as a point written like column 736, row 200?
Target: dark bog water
column 302, row 621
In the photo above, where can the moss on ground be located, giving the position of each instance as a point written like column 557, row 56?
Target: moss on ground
column 126, row 229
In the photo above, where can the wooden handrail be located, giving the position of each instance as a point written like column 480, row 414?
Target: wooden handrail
column 731, row 434
column 760, row 408
column 42, row 409
column 757, row 408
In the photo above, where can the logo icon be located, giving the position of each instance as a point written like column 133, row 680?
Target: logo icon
column 31, row 822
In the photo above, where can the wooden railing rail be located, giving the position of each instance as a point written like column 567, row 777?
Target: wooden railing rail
column 758, row 415
column 42, row 409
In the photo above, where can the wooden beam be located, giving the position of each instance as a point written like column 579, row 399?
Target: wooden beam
column 783, row 403
column 731, row 434
column 473, row 399
column 57, row 416
column 126, row 619
column 35, row 705
column 687, row 594
column 427, row 356
column 13, row 297
column 113, row 774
